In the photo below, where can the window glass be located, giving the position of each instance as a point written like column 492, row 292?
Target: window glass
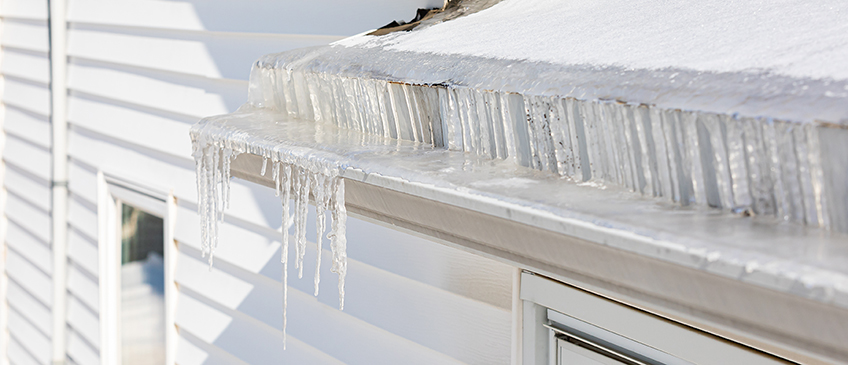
column 142, row 288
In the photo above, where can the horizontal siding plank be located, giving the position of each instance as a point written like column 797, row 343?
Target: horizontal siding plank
column 30, row 247
column 30, row 307
column 32, row 127
column 28, row 35
column 263, row 296
column 468, row 330
column 131, row 125
column 83, row 321
column 82, row 215
column 228, row 56
column 17, row 354
column 29, row 187
column 218, row 285
column 145, row 167
column 29, row 96
column 175, row 55
column 28, row 277
column 149, row 13
column 24, row 9
column 26, row 65
column 83, row 287
column 243, row 339
column 459, row 272
column 437, row 265
column 255, row 249
column 81, row 351
column 29, row 157
column 35, row 221
column 82, row 181
column 36, row 343
column 255, row 204
column 329, row 17
column 83, row 251
column 189, row 95
column 193, row 351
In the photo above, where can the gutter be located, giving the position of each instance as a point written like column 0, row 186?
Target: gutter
column 748, row 279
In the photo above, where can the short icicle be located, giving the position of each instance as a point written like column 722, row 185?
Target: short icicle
column 303, row 206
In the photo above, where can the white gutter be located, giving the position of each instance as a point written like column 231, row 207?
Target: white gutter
column 59, row 92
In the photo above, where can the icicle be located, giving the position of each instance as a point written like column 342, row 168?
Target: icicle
column 198, row 148
column 275, row 175
column 210, row 206
column 337, row 235
column 218, row 208
column 284, row 180
column 264, row 166
column 321, row 197
column 213, row 160
column 298, row 183
column 300, row 229
column 225, row 188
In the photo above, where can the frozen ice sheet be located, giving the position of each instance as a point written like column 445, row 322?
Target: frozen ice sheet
column 804, row 261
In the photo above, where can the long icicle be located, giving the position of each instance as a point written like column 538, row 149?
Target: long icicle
column 298, row 174
column 285, row 176
column 320, row 205
column 339, row 241
column 275, row 175
column 201, row 182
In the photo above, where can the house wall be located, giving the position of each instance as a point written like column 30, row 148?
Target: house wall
column 139, row 74
column 26, row 173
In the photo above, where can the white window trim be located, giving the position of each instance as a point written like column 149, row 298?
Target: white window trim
column 542, row 298
column 111, row 192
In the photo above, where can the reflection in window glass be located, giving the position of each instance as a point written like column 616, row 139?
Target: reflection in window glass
column 142, row 288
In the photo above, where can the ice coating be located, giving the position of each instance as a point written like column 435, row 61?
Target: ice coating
column 781, row 255
column 295, row 177
column 740, row 139
column 758, row 165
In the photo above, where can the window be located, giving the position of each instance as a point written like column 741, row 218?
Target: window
column 564, row 325
column 142, row 288
column 137, row 255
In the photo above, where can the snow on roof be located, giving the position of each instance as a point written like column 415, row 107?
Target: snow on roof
column 803, row 39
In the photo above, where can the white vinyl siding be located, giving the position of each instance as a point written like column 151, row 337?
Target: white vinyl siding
column 26, row 175
column 140, row 73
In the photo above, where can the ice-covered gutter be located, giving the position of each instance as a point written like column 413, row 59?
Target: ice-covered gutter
column 650, row 141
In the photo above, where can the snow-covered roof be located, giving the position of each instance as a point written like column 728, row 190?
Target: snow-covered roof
column 801, row 39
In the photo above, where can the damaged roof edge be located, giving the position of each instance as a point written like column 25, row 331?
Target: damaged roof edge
column 425, row 17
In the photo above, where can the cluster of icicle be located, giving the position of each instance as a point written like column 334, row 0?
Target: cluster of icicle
column 293, row 183
column 752, row 165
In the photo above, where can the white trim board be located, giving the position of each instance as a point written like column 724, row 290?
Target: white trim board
column 113, row 191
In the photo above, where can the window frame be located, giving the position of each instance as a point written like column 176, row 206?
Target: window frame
column 548, row 303
column 112, row 192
